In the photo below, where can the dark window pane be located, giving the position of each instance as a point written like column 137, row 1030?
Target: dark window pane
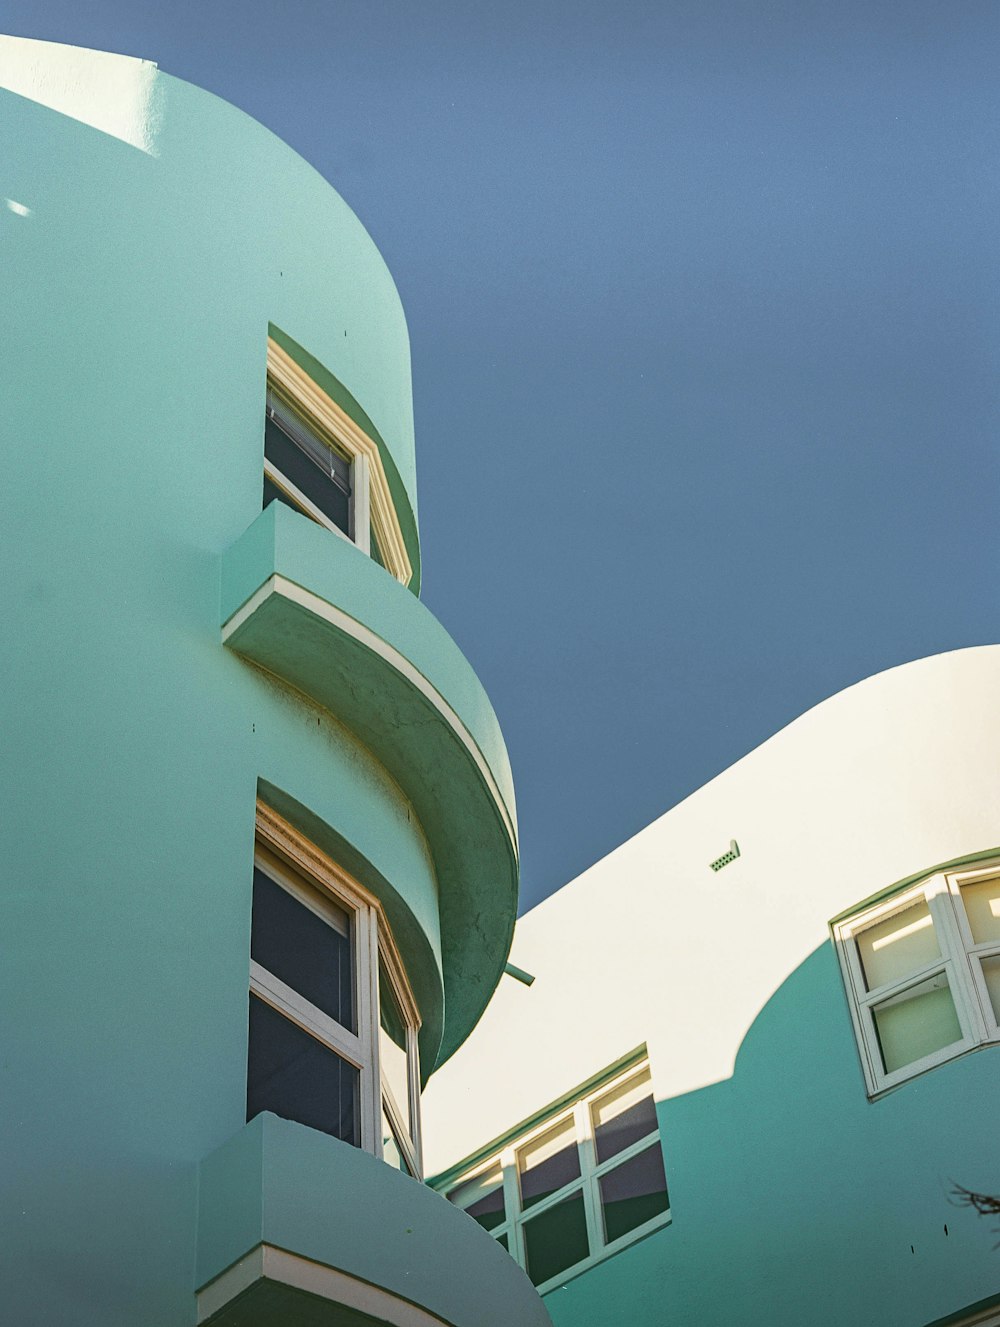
column 482, row 1198
column 502, row 1241
column 621, row 1118
column 316, row 471
column 556, row 1239
column 303, row 950
column 548, row 1163
column 489, row 1211
column 293, row 1075
column 633, row 1193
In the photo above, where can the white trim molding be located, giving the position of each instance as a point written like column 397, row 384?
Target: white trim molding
column 267, row 1263
column 372, row 498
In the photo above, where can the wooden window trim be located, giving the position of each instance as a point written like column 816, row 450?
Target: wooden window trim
column 311, row 876
column 373, row 507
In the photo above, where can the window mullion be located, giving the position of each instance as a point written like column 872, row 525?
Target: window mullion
column 413, row 1061
column 298, row 1010
column 973, row 1016
column 587, row 1149
column 988, row 1028
column 360, row 503
column 512, row 1204
column 367, row 988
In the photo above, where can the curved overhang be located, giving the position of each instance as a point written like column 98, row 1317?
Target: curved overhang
column 311, row 609
column 296, row 1226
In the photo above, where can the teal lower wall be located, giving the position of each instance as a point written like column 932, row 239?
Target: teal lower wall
column 796, row 1200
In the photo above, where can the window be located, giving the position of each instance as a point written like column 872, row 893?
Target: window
column 318, row 460
column 306, row 473
column 584, row 1184
column 922, row 971
column 332, row 1025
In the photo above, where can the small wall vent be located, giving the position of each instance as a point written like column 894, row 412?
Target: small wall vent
column 727, row 857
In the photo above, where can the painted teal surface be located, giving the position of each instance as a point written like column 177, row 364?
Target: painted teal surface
column 796, row 1200
column 284, row 542
column 317, row 274
column 137, row 296
column 335, row 389
column 314, row 1196
column 474, row 859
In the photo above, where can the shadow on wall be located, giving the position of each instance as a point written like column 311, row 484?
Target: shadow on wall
column 795, row 1199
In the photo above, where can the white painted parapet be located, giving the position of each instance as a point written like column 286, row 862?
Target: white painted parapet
column 882, row 781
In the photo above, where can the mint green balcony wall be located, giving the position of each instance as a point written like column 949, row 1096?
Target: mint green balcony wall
column 144, row 259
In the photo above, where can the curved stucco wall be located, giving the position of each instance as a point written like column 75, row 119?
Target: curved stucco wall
column 774, row 1153
column 151, row 235
column 142, row 194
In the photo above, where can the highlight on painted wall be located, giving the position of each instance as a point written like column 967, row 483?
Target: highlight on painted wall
column 276, row 1050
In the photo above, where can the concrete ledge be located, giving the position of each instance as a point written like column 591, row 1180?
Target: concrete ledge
column 294, row 1226
column 314, row 611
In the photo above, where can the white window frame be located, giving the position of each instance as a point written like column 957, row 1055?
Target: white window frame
column 360, row 521
column 297, row 866
column 960, row 960
column 372, row 508
column 591, row 1172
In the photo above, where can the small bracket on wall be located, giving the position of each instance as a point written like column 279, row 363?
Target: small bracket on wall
column 519, row 974
column 727, row 857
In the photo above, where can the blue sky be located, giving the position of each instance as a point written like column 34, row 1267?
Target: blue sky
column 704, row 310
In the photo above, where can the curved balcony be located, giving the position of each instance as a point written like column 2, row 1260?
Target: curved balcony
column 314, row 611
column 296, row 1226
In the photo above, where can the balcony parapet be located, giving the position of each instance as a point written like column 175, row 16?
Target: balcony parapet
column 296, row 1226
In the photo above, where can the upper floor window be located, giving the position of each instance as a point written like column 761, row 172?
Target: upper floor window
column 333, row 1025
column 575, row 1189
column 318, row 460
column 922, row 971
column 305, row 472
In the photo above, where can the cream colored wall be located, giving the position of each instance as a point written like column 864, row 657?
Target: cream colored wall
column 883, row 780
column 120, row 100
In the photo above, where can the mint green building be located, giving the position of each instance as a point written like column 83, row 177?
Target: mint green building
column 259, row 1066
column 244, row 768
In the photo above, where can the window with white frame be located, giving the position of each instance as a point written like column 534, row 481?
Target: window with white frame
column 922, row 971
column 307, row 473
column 319, row 461
column 333, row 1026
column 577, row 1188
